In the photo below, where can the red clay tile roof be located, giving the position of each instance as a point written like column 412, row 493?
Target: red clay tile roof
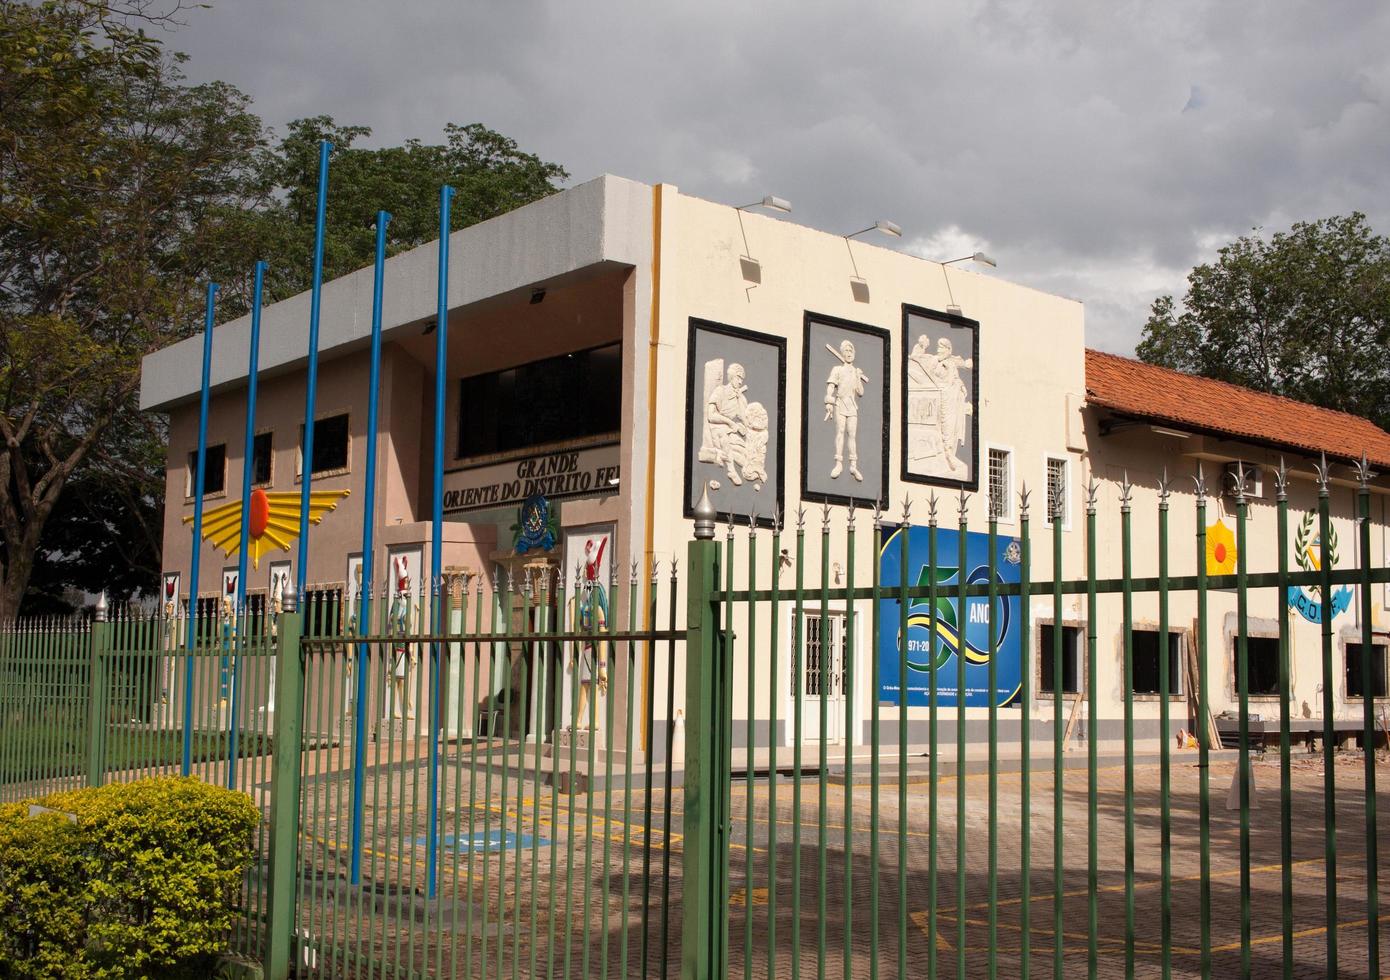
column 1144, row 391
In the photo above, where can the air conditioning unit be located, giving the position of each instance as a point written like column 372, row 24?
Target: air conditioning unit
column 1254, row 480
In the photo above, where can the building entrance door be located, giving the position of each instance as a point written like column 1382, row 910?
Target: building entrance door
column 822, row 670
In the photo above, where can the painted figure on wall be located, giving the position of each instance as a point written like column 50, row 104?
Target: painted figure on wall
column 734, row 432
column 843, row 389
column 591, row 616
column 938, row 406
column 399, row 620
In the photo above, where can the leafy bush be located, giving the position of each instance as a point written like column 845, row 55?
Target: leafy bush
column 141, row 885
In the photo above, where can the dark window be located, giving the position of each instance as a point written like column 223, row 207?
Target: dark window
column 260, row 458
column 323, row 612
column 1071, row 649
column 209, row 613
column 1355, row 689
column 1262, row 660
column 567, row 397
column 216, row 479
column 330, row 443
column 1146, row 662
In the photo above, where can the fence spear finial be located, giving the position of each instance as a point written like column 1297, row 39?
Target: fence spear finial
column 800, row 518
column 1323, row 470
column 632, row 577
column 1281, row 480
column 962, row 504
column 1092, row 488
column 825, row 516
column 1240, row 482
column 1363, row 472
column 1126, row 488
column 907, row 509
column 1164, row 488
column 704, row 516
column 1023, row 502
column 878, row 515
column 931, row 509
column 849, row 515
column 1200, row 484
column 101, row 608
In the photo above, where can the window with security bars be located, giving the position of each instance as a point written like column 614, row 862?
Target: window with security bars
column 1000, row 483
column 1057, row 491
column 820, row 635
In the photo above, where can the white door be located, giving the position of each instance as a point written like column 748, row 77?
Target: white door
column 825, row 638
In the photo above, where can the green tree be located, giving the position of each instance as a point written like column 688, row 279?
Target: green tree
column 1304, row 313
column 122, row 191
column 113, row 175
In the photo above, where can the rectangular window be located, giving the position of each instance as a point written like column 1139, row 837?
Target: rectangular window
column 216, row 479
column 820, row 634
column 1000, row 484
column 1058, row 493
column 330, row 445
column 1146, row 663
column 572, row 396
column 1262, row 664
column 1355, row 689
column 323, row 611
column 260, row 459
column 1071, row 659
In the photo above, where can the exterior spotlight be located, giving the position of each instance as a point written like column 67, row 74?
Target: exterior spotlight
column 771, row 203
column 887, row 227
column 979, row 257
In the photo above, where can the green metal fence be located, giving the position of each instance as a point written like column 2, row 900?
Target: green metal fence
column 547, row 778
column 1136, row 873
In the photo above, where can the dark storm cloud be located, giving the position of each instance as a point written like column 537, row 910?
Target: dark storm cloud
column 1098, row 150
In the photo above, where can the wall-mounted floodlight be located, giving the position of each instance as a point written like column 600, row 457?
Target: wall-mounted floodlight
column 887, row 227
column 753, row 269
column 979, row 257
column 858, row 285
column 771, row 203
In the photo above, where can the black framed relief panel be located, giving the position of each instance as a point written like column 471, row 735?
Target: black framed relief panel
column 844, row 413
column 940, row 398
column 735, row 421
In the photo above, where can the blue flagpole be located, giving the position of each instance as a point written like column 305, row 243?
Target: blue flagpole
column 364, row 596
column 311, row 389
column 247, row 475
column 441, row 355
column 199, row 478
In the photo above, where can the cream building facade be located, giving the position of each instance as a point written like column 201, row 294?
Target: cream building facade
column 593, row 338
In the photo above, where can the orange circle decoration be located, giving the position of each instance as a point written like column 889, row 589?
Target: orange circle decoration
column 1221, row 549
column 260, row 513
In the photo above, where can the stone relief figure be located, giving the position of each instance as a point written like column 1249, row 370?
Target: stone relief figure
column 843, row 389
column 734, row 431
column 938, row 405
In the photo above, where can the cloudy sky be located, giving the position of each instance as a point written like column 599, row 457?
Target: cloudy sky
column 1097, row 150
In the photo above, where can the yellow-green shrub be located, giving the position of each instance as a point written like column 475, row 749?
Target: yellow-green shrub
column 142, row 884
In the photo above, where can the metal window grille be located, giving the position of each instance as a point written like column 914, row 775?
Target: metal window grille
column 999, row 480
column 1056, row 490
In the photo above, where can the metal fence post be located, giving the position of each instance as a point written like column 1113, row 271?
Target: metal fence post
column 284, row 789
column 96, row 708
column 704, row 923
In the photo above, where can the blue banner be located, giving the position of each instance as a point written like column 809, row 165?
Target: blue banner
column 951, row 636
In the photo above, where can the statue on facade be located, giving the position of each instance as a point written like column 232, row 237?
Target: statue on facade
column 734, row 431
column 843, row 389
column 938, row 405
